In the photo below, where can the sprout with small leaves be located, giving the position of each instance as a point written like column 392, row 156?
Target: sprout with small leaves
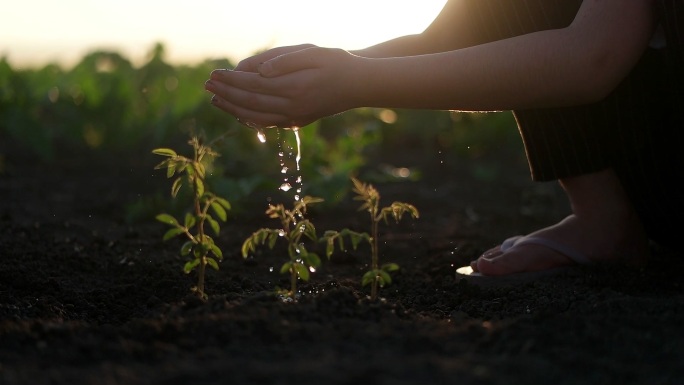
column 293, row 227
column 377, row 276
column 207, row 208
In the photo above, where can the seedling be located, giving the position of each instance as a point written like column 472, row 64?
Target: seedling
column 293, row 227
column 200, row 246
column 377, row 276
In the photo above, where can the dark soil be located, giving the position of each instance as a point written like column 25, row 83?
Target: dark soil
column 88, row 298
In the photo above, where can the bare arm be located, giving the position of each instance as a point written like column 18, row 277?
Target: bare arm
column 451, row 29
column 574, row 65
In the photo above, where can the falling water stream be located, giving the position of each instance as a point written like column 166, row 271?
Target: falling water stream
column 284, row 169
column 283, row 155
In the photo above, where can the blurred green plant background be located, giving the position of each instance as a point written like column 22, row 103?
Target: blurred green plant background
column 106, row 105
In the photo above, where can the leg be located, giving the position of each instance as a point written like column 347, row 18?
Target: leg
column 616, row 161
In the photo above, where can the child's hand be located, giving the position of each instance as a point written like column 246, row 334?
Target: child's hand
column 291, row 89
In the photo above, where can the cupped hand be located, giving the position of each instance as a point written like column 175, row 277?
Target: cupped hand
column 251, row 64
column 292, row 89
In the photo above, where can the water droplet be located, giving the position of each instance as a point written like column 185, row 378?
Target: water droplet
column 283, row 170
column 285, row 187
column 270, row 269
column 260, row 135
column 259, row 129
column 312, row 269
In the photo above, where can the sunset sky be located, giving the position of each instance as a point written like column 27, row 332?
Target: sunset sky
column 35, row 32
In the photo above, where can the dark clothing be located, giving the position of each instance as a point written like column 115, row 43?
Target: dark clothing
column 638, row 130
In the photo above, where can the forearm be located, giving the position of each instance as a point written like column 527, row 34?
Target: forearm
column 494, row 76
column 409, row 45
column 552, row 68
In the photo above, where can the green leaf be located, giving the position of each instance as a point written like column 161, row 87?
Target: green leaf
column 272, row 239
column 171, row 169
column 172, row 233
column 223, row 202
column 368, row 278
column 175, row 187
column 212, row 262
column 190, row 220
column 219, row 210
column 383, row 278
column 186, row 248
column 312, row 259
column 302, row 271
column 216, row 251
column 247, row 246
column 308, row 229
column 168, row 219
column 356, row 238
column 191, row 265
column 199, row 185
column 214, row 225
column 285, row 267
column 162, row 164
column 390, row 267
column 330, row 247
column 164, row 152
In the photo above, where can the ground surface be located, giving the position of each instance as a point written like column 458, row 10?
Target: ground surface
column 86, row 298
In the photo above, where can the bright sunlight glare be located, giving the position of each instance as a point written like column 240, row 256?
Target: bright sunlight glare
column 35, row 32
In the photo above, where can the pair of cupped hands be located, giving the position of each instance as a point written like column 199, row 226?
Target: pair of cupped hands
column 285, row 86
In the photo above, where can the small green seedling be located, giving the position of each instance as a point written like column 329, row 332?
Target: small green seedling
column 293, row 226
column 377, row 276
column 200, row 246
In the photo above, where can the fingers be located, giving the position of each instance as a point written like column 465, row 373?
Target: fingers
column 251, row 64
column 290, row 96
column 248, row 81
column 296, row 61
column 246, row 99
column 249, row 117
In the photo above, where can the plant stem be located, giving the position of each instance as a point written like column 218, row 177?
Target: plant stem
column 200, row 235
column 293, row 282
column 285, row 222
column 200, row 279
column 374, row 256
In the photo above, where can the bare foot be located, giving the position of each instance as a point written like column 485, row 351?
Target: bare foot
column 603, row 227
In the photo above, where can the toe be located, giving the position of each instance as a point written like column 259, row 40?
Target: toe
column 523, row 259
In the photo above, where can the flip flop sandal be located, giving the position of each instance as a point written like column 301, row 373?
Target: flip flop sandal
column 466, row 272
